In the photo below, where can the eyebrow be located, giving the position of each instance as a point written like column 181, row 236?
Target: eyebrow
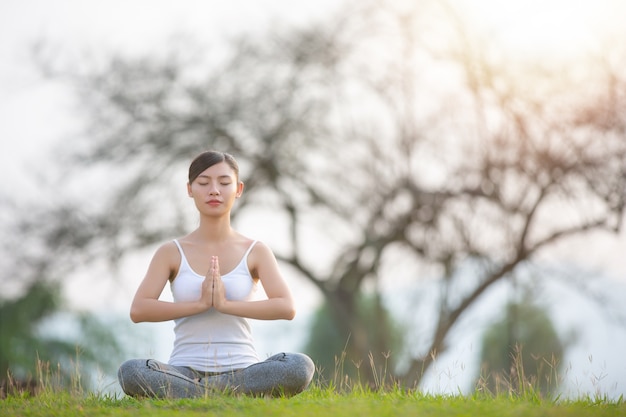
column 219, row 176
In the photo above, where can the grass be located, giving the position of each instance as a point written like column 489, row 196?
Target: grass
column 338, row 398
column 314, row 402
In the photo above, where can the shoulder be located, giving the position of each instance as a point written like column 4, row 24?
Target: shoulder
column 260, row 258
column 167, row 254
column 245, row 243
column 260, row 249
column 167, row 249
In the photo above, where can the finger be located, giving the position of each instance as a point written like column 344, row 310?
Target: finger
column 214, row 271
column 216, row 266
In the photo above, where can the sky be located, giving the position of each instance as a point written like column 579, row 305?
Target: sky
column 36, row 116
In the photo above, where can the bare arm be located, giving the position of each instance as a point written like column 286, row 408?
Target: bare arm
column 279, row 303
column 146, row 305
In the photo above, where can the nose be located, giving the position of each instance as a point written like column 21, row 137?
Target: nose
column 213, row 190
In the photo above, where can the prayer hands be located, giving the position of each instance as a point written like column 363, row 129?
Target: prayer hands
column 213, row 294
column 219, row 294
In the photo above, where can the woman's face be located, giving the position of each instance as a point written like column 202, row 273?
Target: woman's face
column 214, row 191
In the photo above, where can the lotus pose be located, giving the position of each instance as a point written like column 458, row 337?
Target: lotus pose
column 212, row 273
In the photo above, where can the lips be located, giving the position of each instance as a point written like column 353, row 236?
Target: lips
column 214, row 202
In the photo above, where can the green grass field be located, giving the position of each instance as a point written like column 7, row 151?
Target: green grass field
column 314, row 402
column 50, row 395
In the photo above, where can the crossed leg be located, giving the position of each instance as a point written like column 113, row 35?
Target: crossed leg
column 282, row 374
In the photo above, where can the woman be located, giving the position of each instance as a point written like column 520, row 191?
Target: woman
column 213, row 272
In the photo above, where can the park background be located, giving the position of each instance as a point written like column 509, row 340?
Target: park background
column 37, row 116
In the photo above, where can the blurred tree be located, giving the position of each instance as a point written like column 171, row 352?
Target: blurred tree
column 32, row 350
column 328, row 346
column 386, row 135
column 19, row 319
column 520, row 351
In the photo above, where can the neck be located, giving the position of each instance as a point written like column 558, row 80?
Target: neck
column 214, row 229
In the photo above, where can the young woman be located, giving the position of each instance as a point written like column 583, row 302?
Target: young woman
column 212, row 273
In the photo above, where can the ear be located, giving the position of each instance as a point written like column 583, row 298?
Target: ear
column 189, row 190
column 240, row 186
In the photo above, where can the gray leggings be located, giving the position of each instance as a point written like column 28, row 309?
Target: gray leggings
column 282, row 374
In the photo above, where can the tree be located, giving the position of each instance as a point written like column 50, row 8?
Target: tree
column 18, row 318
column 327, row 345
column 521, row 349
column 41, row 338
column 425, row 157
column 31, row 352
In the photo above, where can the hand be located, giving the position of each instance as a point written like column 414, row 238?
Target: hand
column 206, row 295
column 219, row 294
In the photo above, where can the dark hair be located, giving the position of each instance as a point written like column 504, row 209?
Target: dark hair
column 208, row 159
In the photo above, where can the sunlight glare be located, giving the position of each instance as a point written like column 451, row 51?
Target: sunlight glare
column 552, row 28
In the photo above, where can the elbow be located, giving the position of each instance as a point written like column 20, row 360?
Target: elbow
column 290, row 313
column 135, row 315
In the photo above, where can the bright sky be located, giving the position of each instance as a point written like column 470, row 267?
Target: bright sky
column 35, row 115
column 549, row 28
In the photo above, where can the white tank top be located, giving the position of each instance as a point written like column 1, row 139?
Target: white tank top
column 212, row 341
